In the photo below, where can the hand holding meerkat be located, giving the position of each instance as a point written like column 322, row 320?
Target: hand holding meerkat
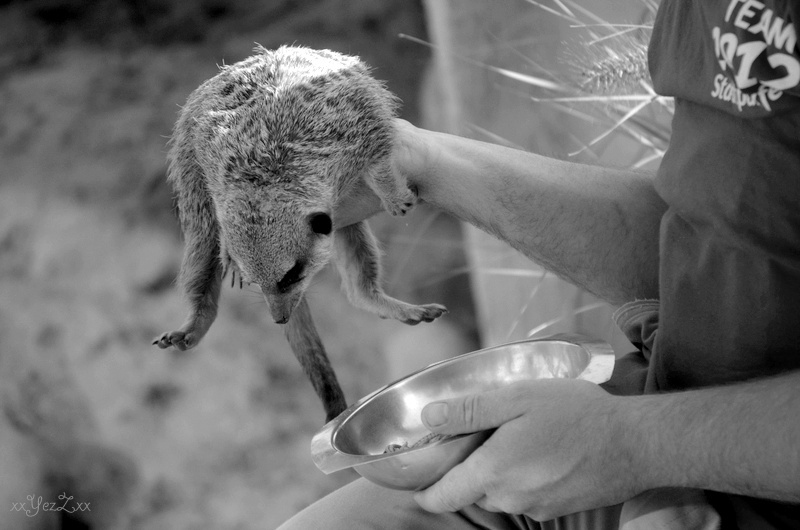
column 266, row 158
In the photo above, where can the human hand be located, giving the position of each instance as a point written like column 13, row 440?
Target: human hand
column 413, row 153
column 409, row 161
column 560, row 447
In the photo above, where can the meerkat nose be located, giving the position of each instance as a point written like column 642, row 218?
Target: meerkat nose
column 282, row 320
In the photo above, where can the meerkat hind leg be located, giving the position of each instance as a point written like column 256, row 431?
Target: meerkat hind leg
column 357, row 259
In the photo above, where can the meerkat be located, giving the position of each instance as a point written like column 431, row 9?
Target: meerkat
column 264, row 157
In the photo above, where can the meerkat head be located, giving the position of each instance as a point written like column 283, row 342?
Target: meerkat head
column 278, row 245
column 281, row 137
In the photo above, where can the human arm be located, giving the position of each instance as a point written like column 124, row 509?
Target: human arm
column 563, row 446
column 594, row 226
column 597, row 227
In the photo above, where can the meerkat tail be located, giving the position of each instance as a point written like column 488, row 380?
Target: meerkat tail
column 307, row 347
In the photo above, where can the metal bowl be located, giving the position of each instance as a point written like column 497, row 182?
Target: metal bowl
column 360, row 435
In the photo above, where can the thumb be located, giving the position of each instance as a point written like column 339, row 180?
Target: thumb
column 472, row 413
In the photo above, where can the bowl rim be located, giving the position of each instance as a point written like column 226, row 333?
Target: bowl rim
column 328, row 458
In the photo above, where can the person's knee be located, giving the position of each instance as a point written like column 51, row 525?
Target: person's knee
column 359, row 505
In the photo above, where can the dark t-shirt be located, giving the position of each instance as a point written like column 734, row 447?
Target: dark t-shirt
column 730, row 241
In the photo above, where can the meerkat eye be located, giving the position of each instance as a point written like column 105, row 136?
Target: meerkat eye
column 320, row 223
column 292, row 276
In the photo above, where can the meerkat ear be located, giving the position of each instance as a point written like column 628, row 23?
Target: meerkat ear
column 320, row 223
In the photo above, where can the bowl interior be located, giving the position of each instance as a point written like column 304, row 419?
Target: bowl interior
column 392, row 415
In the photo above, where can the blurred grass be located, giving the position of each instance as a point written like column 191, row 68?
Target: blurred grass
column 557, row 77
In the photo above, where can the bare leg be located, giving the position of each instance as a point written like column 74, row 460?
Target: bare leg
column 307, row 347
column 357, row 258
column 362, row 505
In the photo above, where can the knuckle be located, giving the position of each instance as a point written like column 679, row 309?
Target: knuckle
column 491, row 480
column 470, row 410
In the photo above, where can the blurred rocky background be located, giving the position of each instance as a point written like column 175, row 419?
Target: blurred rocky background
column 217, row 437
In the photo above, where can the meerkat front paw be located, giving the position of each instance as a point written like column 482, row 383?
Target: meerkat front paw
column 401, row 203
column 414, row 314
column 182, row 340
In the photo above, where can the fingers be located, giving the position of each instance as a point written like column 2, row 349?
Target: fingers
column 476, row 412
column 460, row 487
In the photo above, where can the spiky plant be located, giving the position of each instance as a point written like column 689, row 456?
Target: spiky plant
column 599, row 79
column 611, row 81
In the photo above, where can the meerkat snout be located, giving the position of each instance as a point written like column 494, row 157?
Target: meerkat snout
column 288, row 294
column 279, row 253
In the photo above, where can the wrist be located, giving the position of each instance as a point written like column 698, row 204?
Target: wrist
column 414, row 155
column 448, row 172
column 645, row 443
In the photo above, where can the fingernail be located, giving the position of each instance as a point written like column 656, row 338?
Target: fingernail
column 435, row 414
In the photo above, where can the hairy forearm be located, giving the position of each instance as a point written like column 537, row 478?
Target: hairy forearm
column 597, row 227
column 741, row 439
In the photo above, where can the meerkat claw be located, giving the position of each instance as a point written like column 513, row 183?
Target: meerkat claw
column 173, row 338
column 422, row 313
column 399, row 206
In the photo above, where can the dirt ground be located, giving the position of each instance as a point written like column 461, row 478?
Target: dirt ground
column 217, row 437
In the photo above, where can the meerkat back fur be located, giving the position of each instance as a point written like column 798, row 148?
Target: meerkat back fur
column 262, row 159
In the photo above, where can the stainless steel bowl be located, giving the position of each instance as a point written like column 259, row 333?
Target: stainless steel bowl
column 359, row 436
